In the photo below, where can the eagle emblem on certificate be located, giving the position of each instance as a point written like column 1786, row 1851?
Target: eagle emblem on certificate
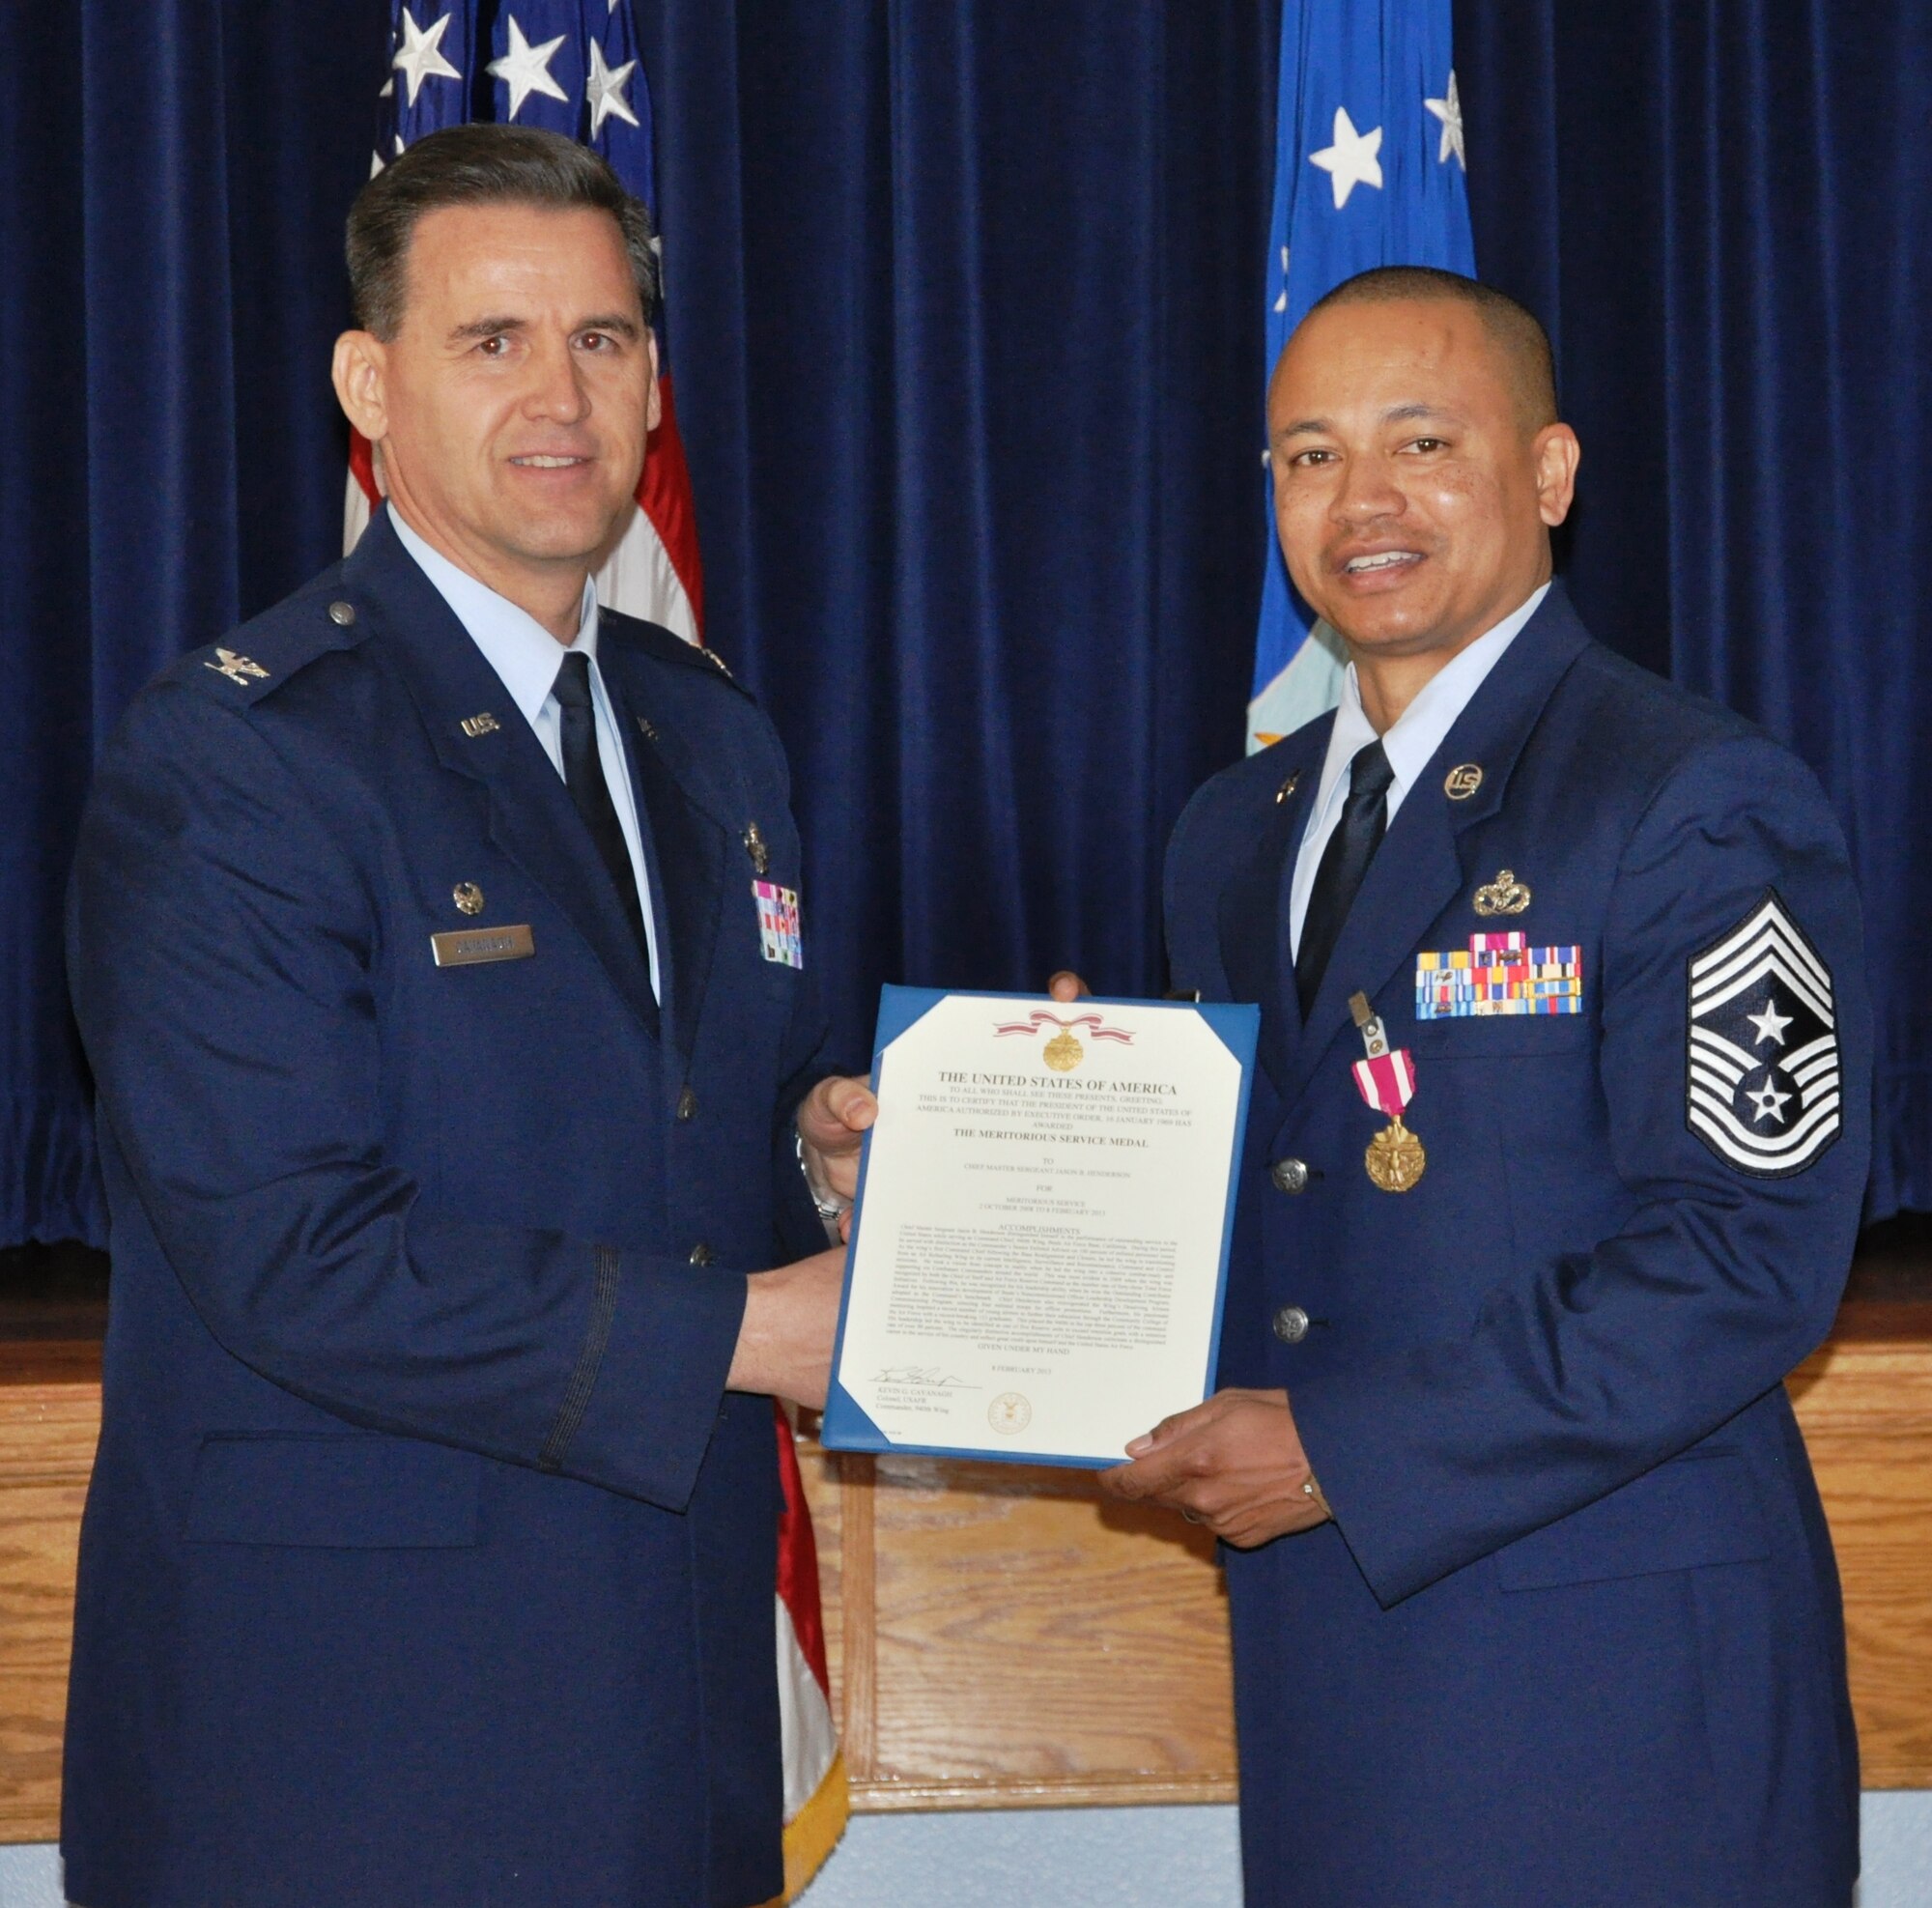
column 1762, row 1067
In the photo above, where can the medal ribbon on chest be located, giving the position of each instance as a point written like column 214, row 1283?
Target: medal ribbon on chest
column 1386, row 1082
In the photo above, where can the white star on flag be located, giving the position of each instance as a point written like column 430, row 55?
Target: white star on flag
column 605, row 90
column 1770, row 1024
column 1768, row 1101
column 419, row 57
column 1351, row 160
column 526, row 68
column 1449, row 110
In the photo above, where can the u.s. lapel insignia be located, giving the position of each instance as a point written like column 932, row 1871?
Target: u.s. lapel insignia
column 1462, row 781
column 243, row 669
column 1289, row 787
column 779, row 936
column 483, row 723
column 1499, row 973
column 755, row 847
column 1762, row 1080
column 1505, row 895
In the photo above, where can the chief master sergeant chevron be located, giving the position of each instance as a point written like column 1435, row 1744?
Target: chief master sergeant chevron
column 436, row 944
column 1555, row 1164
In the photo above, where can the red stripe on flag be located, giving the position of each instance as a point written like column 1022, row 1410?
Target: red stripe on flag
column 798, row 1559
column 362, row 466
column 664, row 494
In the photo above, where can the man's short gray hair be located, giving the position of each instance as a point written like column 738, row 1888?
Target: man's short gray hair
column 481, row 165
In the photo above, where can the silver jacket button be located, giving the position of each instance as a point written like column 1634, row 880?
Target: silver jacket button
column 342, row 615
column 700, row 1255
column 687, row 1104
column 1290, row 1324
column 1289, row 1175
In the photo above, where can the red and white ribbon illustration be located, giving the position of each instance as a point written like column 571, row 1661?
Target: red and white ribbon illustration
column 1039, row 1017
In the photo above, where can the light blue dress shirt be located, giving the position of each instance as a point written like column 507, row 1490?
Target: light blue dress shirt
column 527, row 658
column 1409, row 744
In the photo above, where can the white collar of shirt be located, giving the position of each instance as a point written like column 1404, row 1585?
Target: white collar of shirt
column 1413, row 739
column 514, row 643
column 1409, row 744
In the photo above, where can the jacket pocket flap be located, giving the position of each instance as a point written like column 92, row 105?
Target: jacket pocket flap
column 1685, row 1514
column 352, row 1493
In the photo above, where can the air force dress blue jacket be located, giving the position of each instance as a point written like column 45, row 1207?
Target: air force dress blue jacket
column 427, row 1559
column 1573, row 1636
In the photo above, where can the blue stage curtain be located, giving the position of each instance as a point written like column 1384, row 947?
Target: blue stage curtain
column 1723, row 212
column 170, row 282
column 966, row 303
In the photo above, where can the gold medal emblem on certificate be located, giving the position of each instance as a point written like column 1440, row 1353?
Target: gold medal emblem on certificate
column 1062, row 1053
column 1395, row 1159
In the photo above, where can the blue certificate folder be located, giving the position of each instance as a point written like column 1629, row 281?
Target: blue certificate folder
column 846, row 1425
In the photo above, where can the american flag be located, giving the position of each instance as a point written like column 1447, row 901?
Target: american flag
column 1369, row 170
column 573, row 66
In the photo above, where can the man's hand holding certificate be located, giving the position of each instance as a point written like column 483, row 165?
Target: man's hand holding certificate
column 1043, row 1233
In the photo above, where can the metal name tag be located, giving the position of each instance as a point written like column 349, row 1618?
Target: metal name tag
column 464, row 947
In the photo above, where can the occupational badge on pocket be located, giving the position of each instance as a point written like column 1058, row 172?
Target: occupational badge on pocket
column 779, row 937
column 1499, row 973
column 1762, row 1078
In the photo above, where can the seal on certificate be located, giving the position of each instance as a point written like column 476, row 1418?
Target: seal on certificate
column 1010, row 1413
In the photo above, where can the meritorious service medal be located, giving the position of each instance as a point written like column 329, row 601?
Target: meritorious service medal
column 1386, row 1081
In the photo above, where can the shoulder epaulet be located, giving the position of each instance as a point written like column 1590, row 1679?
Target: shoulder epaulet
column 668, row 646
column 255, row 660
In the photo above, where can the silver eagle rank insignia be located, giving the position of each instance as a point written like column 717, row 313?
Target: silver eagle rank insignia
column 243, row 669
column 1762, row 1075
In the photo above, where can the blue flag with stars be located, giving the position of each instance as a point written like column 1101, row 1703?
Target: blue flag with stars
column 1369, row 170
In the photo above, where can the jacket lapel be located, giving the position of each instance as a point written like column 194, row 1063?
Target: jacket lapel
column 532, row 817
column 1420, row 868
column 1252, row 916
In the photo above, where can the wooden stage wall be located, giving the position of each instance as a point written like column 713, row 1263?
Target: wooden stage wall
column 999, row 1638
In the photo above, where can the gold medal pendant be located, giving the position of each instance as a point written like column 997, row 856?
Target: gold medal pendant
column 1395, row 1159
column 1064, row 1053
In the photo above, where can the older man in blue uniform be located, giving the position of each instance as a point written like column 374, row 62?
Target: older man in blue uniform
column 1555, row 1165
column 436, row 942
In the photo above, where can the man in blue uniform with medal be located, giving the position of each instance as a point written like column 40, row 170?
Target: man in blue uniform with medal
column 1555, row 1167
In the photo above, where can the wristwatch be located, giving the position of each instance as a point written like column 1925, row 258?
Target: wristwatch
column 831, row 1208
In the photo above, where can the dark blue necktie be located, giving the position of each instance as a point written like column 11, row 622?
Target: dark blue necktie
column 583, row 776
column 1344, row 861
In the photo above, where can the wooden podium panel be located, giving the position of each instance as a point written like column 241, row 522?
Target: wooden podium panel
column 1865, row 1404
column 50, row 1421
column 999, row 1638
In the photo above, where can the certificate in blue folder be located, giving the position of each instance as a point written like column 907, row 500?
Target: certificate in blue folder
column 1039, row 1250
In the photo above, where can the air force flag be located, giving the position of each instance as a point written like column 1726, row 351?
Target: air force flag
column 1369, row 165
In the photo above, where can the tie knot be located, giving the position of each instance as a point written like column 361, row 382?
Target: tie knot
column 1370, row 774
column 572, row 687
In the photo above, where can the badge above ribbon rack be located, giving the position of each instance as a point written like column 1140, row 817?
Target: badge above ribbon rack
column 1386, row 1081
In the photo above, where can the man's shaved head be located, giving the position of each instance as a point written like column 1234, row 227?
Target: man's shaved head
column 1520, row 341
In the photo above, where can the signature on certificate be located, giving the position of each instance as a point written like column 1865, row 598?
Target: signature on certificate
column 930, row 1377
